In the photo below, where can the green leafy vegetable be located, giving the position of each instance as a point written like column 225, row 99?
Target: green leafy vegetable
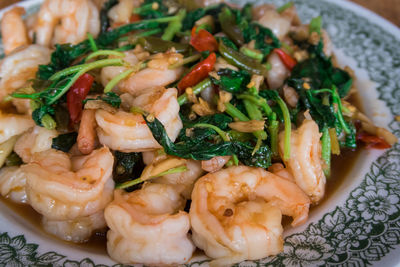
column 265, row 39
column 232, row 81
column 201, row 144
column 64, row 142
column 261, row 158
column 39, row 113
column 195, row 15
column 151, row 9
column 110, row 98
column 127, row 166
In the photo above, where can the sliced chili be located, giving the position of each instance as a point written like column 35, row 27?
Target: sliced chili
column 286, row 59
column 203, row 40
column 76, row 94
column 198, row 73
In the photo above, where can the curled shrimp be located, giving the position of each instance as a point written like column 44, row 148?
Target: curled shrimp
column 278, row 73
column 13, row 124
column 12, row 184
column 236, row 213
column 128, row 132
column 37, row 139
column 214, row 164
column 87, row 132
column 305, row 161
column 20, row 66
column 78, row 230
column 156, row 74
column 279, row 24
column 66, row 21
column 147, row 226
column 13, row 30
column 61, row 188
column 183, row 181
column 122, row 12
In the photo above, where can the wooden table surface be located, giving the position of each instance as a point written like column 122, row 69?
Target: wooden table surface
column 389, row 9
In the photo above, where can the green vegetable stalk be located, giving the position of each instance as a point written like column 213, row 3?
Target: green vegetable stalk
column 174, row 26
column 139, row 180
column 326, row 150
column 229, row 27
column 241, row 61
column 255, row 114
column 197, row 89
column 288, row 127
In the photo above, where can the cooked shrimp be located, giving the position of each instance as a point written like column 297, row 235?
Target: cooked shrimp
column 87, row 132
column 13, row 30
column 280, row 25
column 20, row 66
column 77, row 230
column 157, row 74
column 280, row 170
column 61, row 188
column 236, row 213
column 278, row 72
column 184, row 181
column 110, row 72
column 122, row 12
column 12, row 184
column 128, row 132
column 66, row 21
column 214, row 164
column 147, row 226
column 13, row 124
column 36, row 140
column 305, row 161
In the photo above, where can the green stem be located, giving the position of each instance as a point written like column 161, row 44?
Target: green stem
column 178, row 169
column 48, row 122
column 117, row 79
column 105, row 53
column 257, row 146
column 257, row 55
column 174, row 26
column 288, row 127
column 326, row 150
column 85, row 68
column 258, row 101
column 255, row 114
column 129, row 183
column 221, row 133
column 336, row 99
column 284, row 7
column 197, row 89
column 92, row 42
column 235, row 113
column 77, row 68
column 274, row 132
column 185, row 61
column 139, row 180
column 125, row 48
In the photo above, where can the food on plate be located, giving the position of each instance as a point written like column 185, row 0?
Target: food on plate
column 172, row 125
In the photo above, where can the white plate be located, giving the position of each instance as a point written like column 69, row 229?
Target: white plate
column 360, row 222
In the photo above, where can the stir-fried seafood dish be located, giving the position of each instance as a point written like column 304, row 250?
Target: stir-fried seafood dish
column 173, row 125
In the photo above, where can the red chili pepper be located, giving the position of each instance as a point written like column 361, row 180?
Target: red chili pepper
column 198, row 73
column 286, row 59
column 203, row 41
column 76, row 94
column 373, row 141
